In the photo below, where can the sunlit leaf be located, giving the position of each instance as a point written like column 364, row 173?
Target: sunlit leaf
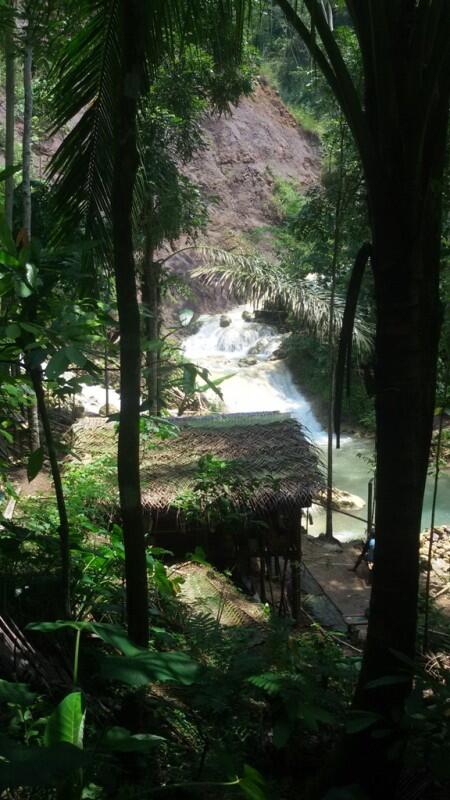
column 150, row 667
column 66, row 723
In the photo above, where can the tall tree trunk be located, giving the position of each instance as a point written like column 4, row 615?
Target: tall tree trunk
column 10, row 96
column 38, row 407
column 125, row 166
column 331, row 337
column 64, row 538
column 33, row 416
column 151, row 297
column 406, row 226
column 401, row 132
column 26, row 138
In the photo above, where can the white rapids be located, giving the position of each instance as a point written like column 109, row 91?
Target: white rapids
column 243, row 351
column 262, row 384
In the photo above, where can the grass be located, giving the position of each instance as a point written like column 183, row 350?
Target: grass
column 287, row 198
column 307, row 120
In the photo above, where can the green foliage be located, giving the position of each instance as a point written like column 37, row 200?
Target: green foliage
column 66, row 723
column 212, row 500
column 308, row 361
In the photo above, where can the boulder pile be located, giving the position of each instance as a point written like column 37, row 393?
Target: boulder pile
column 440, row 556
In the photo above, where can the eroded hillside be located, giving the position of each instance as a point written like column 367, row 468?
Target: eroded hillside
column 246, row 153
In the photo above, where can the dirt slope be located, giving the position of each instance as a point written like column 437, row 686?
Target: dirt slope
column 246, row 152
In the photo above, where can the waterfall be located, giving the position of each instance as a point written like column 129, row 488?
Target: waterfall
column 244, row 351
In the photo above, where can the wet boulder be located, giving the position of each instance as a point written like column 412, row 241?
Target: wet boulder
column 279, row 354
column 247, row 316
column 224, row 321
column 248, row 361
column 260, row 347
column 341, row 500
column 112, row 409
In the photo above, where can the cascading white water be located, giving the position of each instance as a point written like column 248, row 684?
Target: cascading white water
column 267, row 385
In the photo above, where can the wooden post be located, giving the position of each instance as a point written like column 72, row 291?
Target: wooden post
column 296, row 558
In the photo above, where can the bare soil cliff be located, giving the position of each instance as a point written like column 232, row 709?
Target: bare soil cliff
column 246, row 152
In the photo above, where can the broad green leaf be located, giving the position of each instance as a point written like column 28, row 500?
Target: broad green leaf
column 57, row 364
column 35, row 462
column 36, row 766
column 189, row 378
column 8, row 260
column 66, row 723
column 12, row 330
column 113, row 635
column 17, row 693
column 6, row 435
column 23, row 290
column 8, row 171
column 314, row 714
column 58, row 625
column 361, row 720
column 31, row 272
column 252, row 784
column 34, row 329
column 75, row 356
column 150, row 667
column 117, row 637
column 121, row 740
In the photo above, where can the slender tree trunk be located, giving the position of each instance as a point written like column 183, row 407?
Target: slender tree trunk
column 106, row 374
column 10, row 125
column 151, row 298
column 125, row 167
column 33, row 416
column 331, row 339
column 26, row 139
column 64, row 538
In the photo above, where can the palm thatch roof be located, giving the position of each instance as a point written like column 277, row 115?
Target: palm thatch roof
column 270, row 448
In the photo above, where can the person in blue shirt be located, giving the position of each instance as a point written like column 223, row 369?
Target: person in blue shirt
column 370, row 551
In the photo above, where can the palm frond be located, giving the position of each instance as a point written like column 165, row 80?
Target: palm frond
column 257, row 281
column 81, row 169
column 85, row 80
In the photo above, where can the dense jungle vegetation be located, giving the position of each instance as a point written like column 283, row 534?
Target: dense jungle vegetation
column 112, row 684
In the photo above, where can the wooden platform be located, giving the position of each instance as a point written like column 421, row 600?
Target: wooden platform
column 348, row 592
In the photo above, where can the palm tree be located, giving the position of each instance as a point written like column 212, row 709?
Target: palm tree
column 400, row 129
column 102, row 76
column 257, row 281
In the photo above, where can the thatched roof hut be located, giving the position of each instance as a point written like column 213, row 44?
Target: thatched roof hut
column 278, row 475
column 271, row 448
